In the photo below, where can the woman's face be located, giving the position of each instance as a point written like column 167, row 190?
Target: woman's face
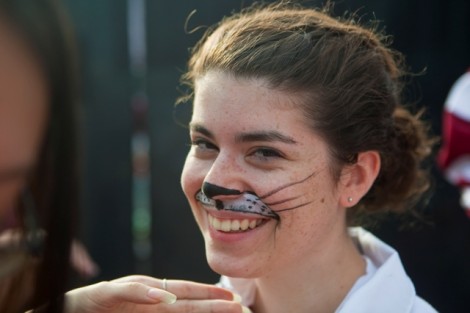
column 249, row 138
column 23, row 110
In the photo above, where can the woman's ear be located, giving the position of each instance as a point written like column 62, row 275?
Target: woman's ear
column 356, row 179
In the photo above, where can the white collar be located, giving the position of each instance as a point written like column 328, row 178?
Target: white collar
column 389, row 290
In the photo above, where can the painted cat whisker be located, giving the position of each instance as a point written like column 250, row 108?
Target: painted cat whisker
column 282, row 201
column 270, row 193
column 296, row 207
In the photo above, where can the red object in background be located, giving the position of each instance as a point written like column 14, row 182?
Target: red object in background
column 454, row 155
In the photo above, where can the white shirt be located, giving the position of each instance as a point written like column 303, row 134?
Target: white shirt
column 385, row 288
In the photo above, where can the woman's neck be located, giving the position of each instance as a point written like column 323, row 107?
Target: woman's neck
column 314, row 284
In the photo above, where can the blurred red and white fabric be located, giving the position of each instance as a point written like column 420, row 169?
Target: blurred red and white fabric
column 454, row 155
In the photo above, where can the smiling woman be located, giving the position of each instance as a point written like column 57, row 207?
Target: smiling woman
column 297, row 130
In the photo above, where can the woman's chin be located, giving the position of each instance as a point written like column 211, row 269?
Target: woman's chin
column 233, row 268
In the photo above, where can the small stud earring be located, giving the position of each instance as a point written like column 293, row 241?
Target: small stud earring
column 350, row 199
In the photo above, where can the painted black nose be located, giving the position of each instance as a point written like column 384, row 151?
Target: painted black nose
column 211, row 190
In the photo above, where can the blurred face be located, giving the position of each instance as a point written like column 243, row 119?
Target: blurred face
column 250, row 144
column 23, row 110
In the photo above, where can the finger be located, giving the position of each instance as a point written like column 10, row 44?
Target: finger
column 110, row 294
column 183, row 289
column 134, row 292
column 192, row 290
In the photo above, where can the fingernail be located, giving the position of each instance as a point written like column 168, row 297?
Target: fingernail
column 237, row 298
column 162, row 295
column 246, row 310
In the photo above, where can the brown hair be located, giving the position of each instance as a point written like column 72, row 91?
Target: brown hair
column 350, row 82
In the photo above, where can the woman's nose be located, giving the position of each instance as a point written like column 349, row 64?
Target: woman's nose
column 225, row 177
column 211, row 190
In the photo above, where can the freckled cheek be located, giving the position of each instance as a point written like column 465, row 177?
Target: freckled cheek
column 304, row 228
column 191, row 180
column 192, row 177
column 313, row 214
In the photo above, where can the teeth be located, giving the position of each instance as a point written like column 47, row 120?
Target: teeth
column 233, row 225
column 252, row 224
column 225, row 225
column 216, row 223
column 244, row 225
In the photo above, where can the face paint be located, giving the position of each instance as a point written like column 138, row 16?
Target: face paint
column 211, row 190
column 248, row 202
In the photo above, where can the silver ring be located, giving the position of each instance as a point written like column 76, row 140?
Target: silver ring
column 165, row 285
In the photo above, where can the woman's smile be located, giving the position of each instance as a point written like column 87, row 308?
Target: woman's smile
column 237, row 231
column 233, row 225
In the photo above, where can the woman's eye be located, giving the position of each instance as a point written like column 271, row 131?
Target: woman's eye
column 203, row 145
column 265, row 153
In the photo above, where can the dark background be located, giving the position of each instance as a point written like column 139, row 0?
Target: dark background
column 435, row 37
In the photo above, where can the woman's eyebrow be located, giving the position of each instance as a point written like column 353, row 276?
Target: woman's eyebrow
column 269, row 136
column 194, row 127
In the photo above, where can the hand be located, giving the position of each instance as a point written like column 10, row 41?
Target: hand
column 142, row 294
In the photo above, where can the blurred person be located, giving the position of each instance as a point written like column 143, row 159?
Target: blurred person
column 39, row 180
column 298, row 132
column 38, row 150
column 454, row 154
